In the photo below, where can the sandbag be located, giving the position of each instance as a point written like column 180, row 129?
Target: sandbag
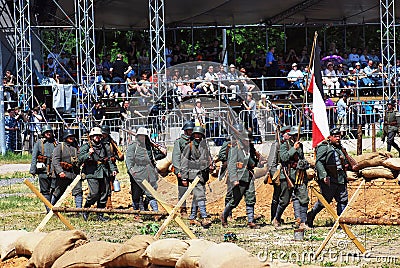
column 310, row 173
column 131, row 253
column 166, row 252
column 371, row 159
column 260, row 172
column 27, row 243
column 7, row 240
column 228, row 255
column 163, row 164
column 192, row 255
column 377, row 172
column 392, row 163
column 53, row 245
column 86, row 256
column 351, row 175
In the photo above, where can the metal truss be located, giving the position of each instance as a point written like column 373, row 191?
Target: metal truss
column 87, row 67
column 388, row 47
column 23, row 50
column 157, row 41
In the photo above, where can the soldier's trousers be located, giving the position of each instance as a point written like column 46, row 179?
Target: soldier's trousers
column 60, row 187
column 300, row 198
column 275, row 200
column 98, row 192
column 391, row 142
column 334, row 191
column 45, row 185
column 181, row 190
column 138, row 190
column 246, row 189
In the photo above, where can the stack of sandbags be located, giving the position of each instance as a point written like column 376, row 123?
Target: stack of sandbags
column 54, row 245
column 191, row 258
column 25, row 244
column 371, row 159
column 130, row 254
column 7, row 242
column 166, row 252
column 372, row 166
column 377, row 172
column 228, row 255
column 87, row 255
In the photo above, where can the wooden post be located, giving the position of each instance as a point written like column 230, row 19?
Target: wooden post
column 366, row 221
column 168, row 208
column 373, row 137
column 359, row 140
column 48, row 204
column 173, row 212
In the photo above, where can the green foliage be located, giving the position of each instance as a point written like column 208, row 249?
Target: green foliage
column 150, row 229
column 12, row 158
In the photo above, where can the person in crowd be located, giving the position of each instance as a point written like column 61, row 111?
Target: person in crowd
column 98, row 113
column 247, row 84
column 342, row 114
column 132, row 51
column 9, row 82
column 353, row 56
column 331, row 166
column 296, row 77
column 210, row 77
column 196, row 161
column 293, row 180
column 214, row 52
column 390, row 127
column 66, row 168
column 241, row 162
column 107, row 62
column 271, row 65
column 369, row 71
column 199, row 114
column 41, row 164
column 118, row 70
column 115, row 155
column 144, row 60
column 179, row 146
column 124, row 112
column 11, row 128
column 262, row 114
column 331, row 80
column 251, row 123
column 141, row 157
column 97, row 168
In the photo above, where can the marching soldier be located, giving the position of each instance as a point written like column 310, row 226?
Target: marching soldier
column 293, row 180
column 41, row 161
column 97, row 168
column 332, row 179
column 390, row 127
column 241, row 161
column 66, row 168
column 141, row 156
column 196, row 161
column 179, row 145
column 273, row 167
column 115, row 154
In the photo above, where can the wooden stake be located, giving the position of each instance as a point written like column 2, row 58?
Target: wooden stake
column 169, row 209
column 48, row 204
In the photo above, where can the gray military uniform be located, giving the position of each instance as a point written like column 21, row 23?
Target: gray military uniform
column 44, row 147
column 67, row 153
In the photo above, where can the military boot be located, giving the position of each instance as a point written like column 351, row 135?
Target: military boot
column 101, row 217
column 85, row 214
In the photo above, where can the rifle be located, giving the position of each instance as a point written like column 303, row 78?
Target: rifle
column 353, row 163
column 152, row 143
column 120, row 154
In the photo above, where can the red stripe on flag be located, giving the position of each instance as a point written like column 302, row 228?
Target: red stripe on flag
column 317, row 136
column 311, row 86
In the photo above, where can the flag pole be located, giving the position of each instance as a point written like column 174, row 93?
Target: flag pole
column 307, row 85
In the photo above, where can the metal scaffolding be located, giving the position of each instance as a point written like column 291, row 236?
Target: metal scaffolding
column 388, row 47
column 23, row 50
column 157, row 40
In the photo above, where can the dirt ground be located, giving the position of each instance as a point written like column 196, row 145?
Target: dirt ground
column 378, row 199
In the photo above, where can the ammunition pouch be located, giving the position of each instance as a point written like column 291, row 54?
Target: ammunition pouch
column 239, row 165
column 41, row 159
column 66, row 166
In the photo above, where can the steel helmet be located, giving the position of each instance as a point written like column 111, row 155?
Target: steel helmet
column 200, row 130
column 188, row 125
column 95, row 131
column 46, row 128
column 105, row 129
column 67, row 133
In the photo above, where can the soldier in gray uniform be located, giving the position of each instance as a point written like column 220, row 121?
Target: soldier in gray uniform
column 293, row 180
column 242, row 160
column 273, row 165
column 115, row 155
column 41, row 162
column 179, row 145
column 330, row 164
column 390, row 127
column 97, row 168
column 141, row 156
column 196, row 161
column 65, row 167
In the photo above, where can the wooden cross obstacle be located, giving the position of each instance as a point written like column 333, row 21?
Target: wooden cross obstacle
column 172, row 211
